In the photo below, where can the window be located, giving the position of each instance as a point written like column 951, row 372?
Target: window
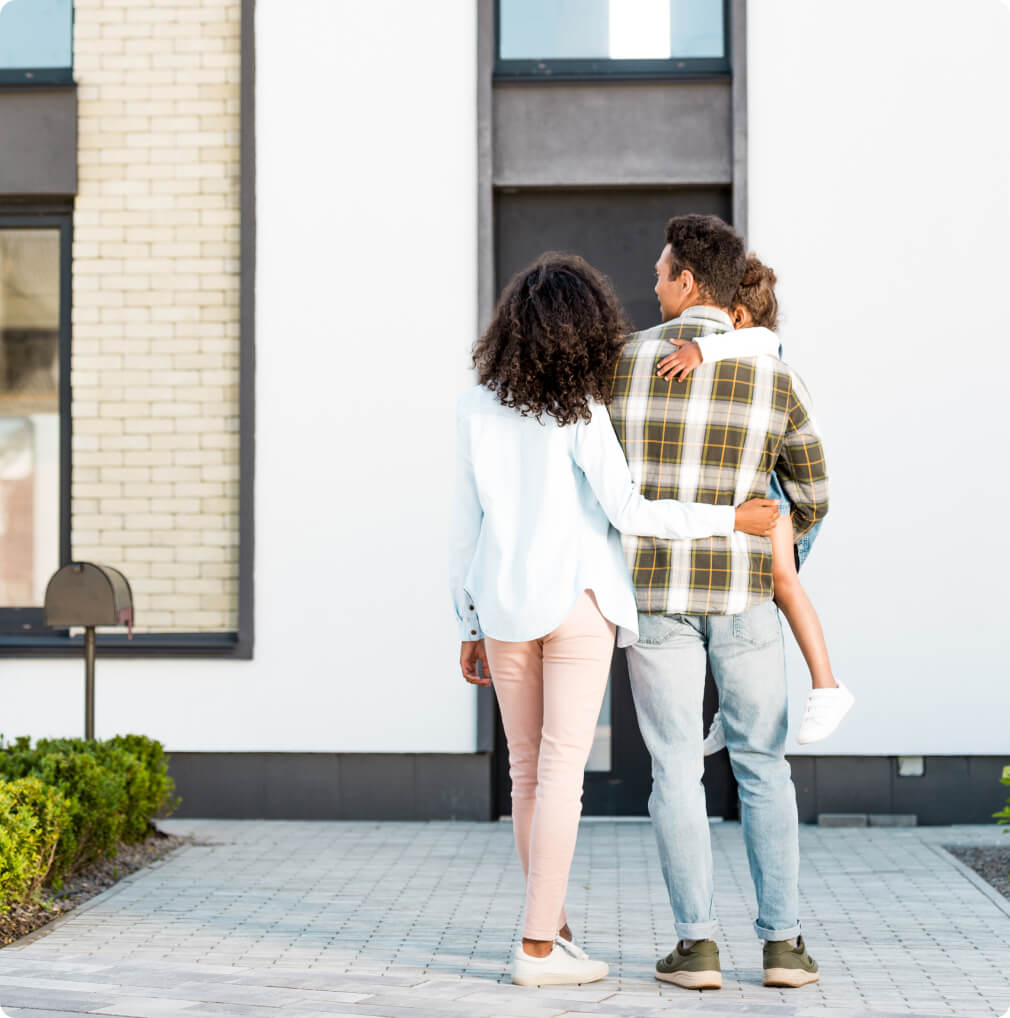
column 629, row 38
column 600, row 754
column 36, row 40
column 34, row 406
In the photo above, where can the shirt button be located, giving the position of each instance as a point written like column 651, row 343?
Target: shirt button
column 471, row 607
column 473, row 632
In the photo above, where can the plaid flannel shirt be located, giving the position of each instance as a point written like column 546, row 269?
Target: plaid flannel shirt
column 715, row 438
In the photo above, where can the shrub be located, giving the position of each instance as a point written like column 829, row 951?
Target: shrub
column 95, row 793
column 148, row 787
column 1003, row 816
column 34, row 818
column 111, row 789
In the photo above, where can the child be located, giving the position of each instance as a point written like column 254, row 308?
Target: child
column 755, row 305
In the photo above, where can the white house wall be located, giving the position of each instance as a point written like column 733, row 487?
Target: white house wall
column 879, row 180
column 366, row 307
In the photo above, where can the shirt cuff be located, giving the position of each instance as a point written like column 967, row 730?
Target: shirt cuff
column 703, row 346
column 469, row 623
column 726, row 520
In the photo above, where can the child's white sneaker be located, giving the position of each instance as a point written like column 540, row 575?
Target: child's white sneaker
column 561, row 967
column 825, row 710
column 716, row 738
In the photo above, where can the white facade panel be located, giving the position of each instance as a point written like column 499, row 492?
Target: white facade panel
column 366, row 308
column 879, row 181
column 880, row 193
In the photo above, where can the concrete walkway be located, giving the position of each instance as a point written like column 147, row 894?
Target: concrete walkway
column 303, row 919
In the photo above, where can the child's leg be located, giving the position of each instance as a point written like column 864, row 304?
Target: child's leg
column 796, row 606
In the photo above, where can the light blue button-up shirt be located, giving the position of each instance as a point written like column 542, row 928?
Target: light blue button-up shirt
column 534, row 520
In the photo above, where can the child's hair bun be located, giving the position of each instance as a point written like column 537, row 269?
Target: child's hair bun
column 757, row 293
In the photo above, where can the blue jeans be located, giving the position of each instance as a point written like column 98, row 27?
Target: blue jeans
column 667, row 668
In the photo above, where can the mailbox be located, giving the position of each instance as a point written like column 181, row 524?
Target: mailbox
column 84, row 594
column 89, row 595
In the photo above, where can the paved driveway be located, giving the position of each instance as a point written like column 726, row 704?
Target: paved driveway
column 300, row 919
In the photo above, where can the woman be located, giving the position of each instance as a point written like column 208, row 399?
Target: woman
column 756, row 309
column 537, row 569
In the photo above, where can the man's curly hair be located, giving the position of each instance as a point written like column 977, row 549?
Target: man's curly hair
column 756, row 293
column 554, row 341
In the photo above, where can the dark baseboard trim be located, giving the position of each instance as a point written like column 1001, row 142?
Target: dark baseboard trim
column 223, row 645
column 951, row 790
column 333, row 786
column 448, row 786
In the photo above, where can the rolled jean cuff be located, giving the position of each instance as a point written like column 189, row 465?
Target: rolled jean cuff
column 773, row 935
column 696, row 931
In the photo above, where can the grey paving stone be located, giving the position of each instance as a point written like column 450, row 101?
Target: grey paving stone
column 236, row 1011
column 31, row 1012
column 146, row 1007
column 284, row 918
column 55, row 1000
column 38, row 982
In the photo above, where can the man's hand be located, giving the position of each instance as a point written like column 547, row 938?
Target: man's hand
column 758, row 517
column 472, row 652
column 679, row 365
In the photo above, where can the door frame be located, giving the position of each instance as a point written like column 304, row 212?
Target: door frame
column 624, row 790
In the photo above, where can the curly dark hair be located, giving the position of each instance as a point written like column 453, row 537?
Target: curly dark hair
column 756, row 293
column 554, row 341
column 712, row 250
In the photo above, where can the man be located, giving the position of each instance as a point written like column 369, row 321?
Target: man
column 716, row 438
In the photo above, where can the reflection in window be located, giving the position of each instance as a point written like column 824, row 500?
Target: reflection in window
column 29, row 414
column 610, row 29
column 36, row 34
column 599, row 755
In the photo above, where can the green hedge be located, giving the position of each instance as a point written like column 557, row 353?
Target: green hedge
column 72, row 801
column 1003, row 816
column 33, row 817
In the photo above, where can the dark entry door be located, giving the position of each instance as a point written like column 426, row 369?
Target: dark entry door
column 620, row 232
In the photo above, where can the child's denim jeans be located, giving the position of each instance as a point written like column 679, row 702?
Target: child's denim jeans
column 804, row 543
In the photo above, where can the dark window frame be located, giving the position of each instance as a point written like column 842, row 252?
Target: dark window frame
column 563, row 69
column 31, row 76
column 237, row 645
column 22, row 630
column 17, row 622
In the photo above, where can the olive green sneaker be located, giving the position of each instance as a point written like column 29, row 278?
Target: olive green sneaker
column 786, row 965
column 696, row 968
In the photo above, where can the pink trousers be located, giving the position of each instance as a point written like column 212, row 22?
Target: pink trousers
column 549, row 692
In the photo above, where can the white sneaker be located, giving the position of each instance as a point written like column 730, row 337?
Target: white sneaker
column 560, row 968
column 716, row 738
column 571, row 947
column 825, row 710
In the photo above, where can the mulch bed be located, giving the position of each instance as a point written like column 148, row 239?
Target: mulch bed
column 991, row 864
column 21, row 920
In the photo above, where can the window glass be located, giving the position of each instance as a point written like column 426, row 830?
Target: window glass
column 36, row 34
column 610, row 29
column 29, row 414
column 600, row 755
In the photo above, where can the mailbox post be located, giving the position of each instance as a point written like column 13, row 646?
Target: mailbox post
column 89, row 595
column 89, row 682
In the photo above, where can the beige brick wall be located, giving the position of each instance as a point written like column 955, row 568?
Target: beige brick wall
column 155, row 304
